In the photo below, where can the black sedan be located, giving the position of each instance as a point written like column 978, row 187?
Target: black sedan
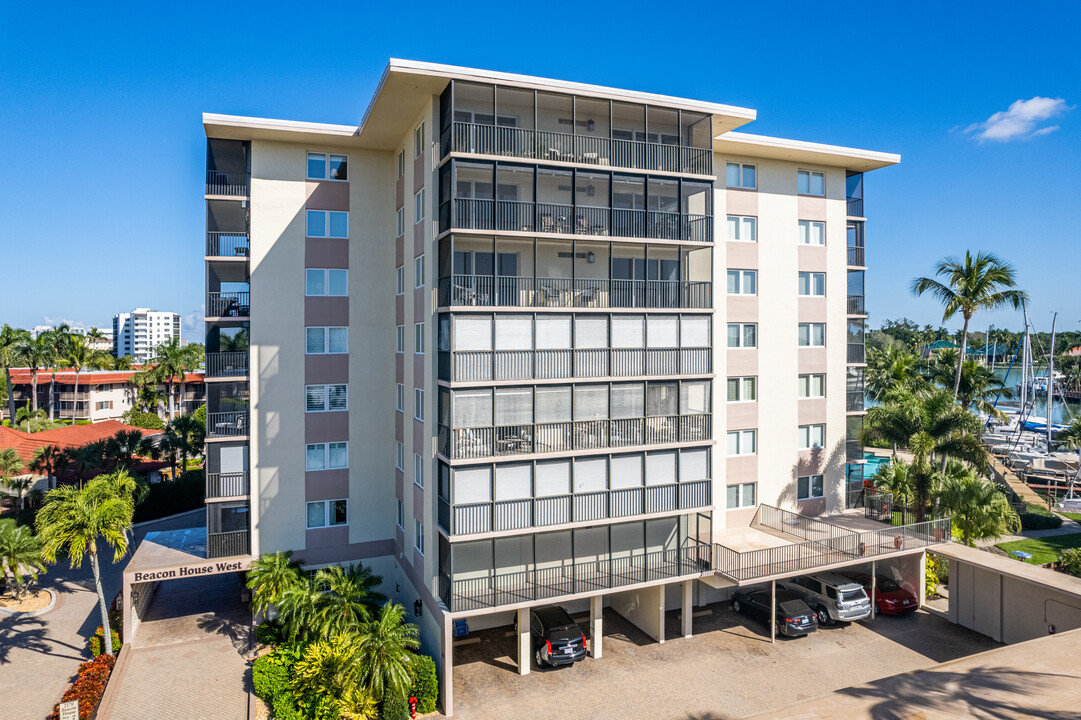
column 794, row 618
column 557, row 639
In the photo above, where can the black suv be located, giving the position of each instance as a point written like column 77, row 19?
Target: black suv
column 794, row 618
column 557, row 639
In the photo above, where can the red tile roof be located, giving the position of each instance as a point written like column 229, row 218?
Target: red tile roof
column 21, row 376
column 26, row 444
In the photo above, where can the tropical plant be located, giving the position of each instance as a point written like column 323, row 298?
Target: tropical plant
column 33, row 418
column 1070, row 438
column 143, row 419
column 387, row 646
column 892, row 369
column 57, row 341
column 976, row 507
column 10, row 466
column 979, row 387
column 170, row 363
column 897, row 478
column 146, row 395
column 73, row 519
column 34, row 353
column 270, row 577
column 12, row 341
column 20, row 552
column 78, row 355
column 123, row 362
column 86, row 461
column 185, row 435
column 48, row 459
column 126, row 446
column 967, row 285
column 348, row 599
column 426, row 687
column 326, row 681
column 1070, row 561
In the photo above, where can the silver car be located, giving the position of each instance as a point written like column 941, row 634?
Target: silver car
column 833, row 598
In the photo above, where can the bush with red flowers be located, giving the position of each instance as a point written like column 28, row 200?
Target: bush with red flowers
column 88, row 687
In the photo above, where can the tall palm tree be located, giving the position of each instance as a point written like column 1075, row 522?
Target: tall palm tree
column 967, row 285
column 296, row 610
column 73, row 519
column 87, row 460
column 10, row 466
column 975, row 505
column 20, row 552
column 891, row 369
column 386, row 653
column 123, row 448
column 11, row 342
column 56, row 342
column 348, row 599
column 47, row 460
column 34, row 353
column 898, row 479
column 270, row 577
column 186, row 434
column 78, row 355
column 171, row 362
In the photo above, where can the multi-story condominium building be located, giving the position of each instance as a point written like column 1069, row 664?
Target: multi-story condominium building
column 105, row 342
column 138, row 333
column 514, row 341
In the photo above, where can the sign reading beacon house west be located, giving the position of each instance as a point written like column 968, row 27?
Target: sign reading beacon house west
column 186, row 571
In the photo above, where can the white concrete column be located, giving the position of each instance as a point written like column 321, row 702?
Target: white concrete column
column 773, row 611
column 596, row 625
column 687, row 610
column 446, row 688
column 125, row 601
column 874, row 587
column 523, row 641
column 922, row 594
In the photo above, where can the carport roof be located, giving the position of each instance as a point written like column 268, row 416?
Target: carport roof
column 1012, row 568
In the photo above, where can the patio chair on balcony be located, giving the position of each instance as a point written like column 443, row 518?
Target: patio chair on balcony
column 469, row 445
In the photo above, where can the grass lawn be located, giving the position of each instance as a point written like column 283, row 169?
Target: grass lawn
column 1073, row 516
column 1043, row 550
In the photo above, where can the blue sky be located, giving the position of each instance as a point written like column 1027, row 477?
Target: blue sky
column 103, row 150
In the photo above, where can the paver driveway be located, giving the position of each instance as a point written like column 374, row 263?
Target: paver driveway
column 727, row 670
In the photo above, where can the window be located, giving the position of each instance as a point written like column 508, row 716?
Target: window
column 401, row 164
column 812, row 232
column 326, row 456
column 401, row 279
column 326, row 398
column 399, row 461
column 740, row 496
column 812, row 436
column 104, row 405
column 418, row 470
column 401, row 398
column 418, row 404
column 324, row 283
column 742, row 282
column 418, row 206
column 739, row 175
column 742, row 389
column 326, row 340
column 401, row 221
column 812, row 284
column 742, row 335
column 401, row 515
column 324, row 167
column 742, row 442
column 418, row 539
column 812, row 386
column 418, row 271
column 327, row 513
column 400, row 339
column 418, row 140
column 742, row 228
column 327, row 223
column 418, row 338
column 809, row 182
column 809, row 486
column 812, row 335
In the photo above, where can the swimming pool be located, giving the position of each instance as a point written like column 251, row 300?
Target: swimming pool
column 873, row 464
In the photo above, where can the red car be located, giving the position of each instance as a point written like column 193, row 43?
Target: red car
column 889, row 597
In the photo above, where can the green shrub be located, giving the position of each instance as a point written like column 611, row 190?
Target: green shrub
column 1038, row 517
column 169, row 497
column 426, row 687
column 200, row 415
column 269, row 680
column 932, row 581
column 1071, row 561
column 268, row 633
column 97, row 641
column 139, row 418
column 395, row 707
column 284, row 707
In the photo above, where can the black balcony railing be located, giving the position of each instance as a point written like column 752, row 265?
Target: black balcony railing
column 227, row 183
column 226, row 364
column 857, row 352
column 856, row 256
column 492, row 291
column 227, row 304
column 227, row 244
column 223, row 485
column 853, row 449
column 228, row 544
column 227, row 424
column 855, row 207
column 486, row 365
column 856, row 305
column 480, row 139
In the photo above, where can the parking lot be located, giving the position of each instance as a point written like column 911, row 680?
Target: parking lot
column 728, row 669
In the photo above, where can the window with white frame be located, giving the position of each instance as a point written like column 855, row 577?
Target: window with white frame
column 418, row 271
column 400, row 275
column 418, row 470
column 418, row 338
column 327, row 167
column 809, row 182
column 327, row 513
column 812, row 334
column 399, row 346
column 401, row 397
column 326, row 398
column 326, row 456
column 400, row 218
column 418, row 206
column 740, row 496
column 328, row 223
column 401, row 164
column 401, row 515
column 742, row 335
column 812, row 284
column 418, row 140
column 812, row 436
column 323, row 282
column 812, row 232
column 326, row 340
column 742, row 442
column 399, row 458
column 418, row 536
column 742, row 389
column 740, row 175
column 418, row 404
column 812, row 386
column 809, row 486
column 742, row 228
column 742, row 282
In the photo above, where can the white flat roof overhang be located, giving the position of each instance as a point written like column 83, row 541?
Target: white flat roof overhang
column 738, row 143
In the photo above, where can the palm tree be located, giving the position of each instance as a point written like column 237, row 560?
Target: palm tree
column 270, row 577
column 171, row 361
column 127, row 445
column 348, row 599
column 34, row 352
column 25, row 413
column 72, row 520
column 898, row 479
column 983, row 281
column 386, row 652
column 10, row 466
column 186, row 435
column 47, row 460
column 296, row 609
column 975, row 505
column 20, row 552
column 56, row 342
column 85, row 461
column 11, row 342
column 77, row 356
column 123, row 362
column 891, row 369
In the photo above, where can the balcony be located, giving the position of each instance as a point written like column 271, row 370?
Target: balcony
column 856, row 256
column 487, row 365
column 234, row 184
column 227, row 424
column 855, row 207
column 482, row 139
column 228, row 304
column 565, row 292
column 857, row 353
column 226, row 364
column 853, row 449
column 857, row 305
column 228, row 544
column 225, row 485
column 854, row 401
column 555, row 437
column 227, row 244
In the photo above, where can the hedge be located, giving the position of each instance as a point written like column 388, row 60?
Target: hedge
column 268, row 633
column 1070, row 561
column 1038, row 517
column 139, row 418
column 88, row 687
column 269, row 680
column 426, row 687
column 97, row 641
column 395, row 707
column 169, row 497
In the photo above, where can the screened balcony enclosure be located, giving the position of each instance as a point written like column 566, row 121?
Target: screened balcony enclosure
column 227, row 405
column 489, row 422
column 521, row 198
column 558, row 273
column 515, row 122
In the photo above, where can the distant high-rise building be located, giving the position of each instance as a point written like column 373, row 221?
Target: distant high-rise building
column 139, row 332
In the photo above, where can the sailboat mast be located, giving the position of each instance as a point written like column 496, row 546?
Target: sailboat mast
column 1024, row 366
column 1051, row 380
